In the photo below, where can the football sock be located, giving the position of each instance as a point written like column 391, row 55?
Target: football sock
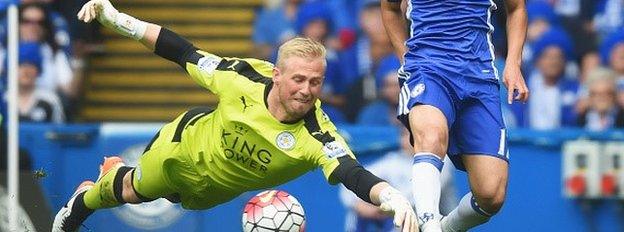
column 467, row 215
column 426, row 190
column 106, row 192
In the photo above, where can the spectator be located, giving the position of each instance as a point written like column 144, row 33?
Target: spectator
column 553, row 93
column 372, row 46
column 274, row 25
column 394, row 167
column 612, row 55
column 576, row 17
column 35, row 104
column 383, row 111
column 315, row 21
column 589, row 62
column 541, row 17
column 56, row 74
column 603, row 112
column 60, row 27
column 344, row 21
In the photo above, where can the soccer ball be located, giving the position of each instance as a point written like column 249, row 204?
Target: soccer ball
column 273, row 210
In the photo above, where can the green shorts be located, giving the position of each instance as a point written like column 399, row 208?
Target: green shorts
column 165, row 170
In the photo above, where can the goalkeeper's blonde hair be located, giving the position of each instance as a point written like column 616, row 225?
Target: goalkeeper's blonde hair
column 300, row 47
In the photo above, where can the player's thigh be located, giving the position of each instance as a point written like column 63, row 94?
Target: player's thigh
column 431, row 110
column 479, row 137
column 429, row 129
column 488, row 176
column 150, row 178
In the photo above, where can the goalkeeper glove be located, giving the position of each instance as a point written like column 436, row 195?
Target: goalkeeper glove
column 393, row 201
column 108, row 16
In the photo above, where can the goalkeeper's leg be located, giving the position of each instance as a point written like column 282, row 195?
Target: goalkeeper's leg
column 119, row 184
column 113, row 188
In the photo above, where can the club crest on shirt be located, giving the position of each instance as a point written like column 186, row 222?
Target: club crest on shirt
column 208, row 64
column 419, row 89
column 285, row 140
column 334, row 150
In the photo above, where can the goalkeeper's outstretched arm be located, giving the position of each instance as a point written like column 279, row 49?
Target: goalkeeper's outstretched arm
column 162, row 41
column 107, row 15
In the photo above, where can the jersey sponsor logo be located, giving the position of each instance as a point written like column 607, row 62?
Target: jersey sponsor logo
column 208, row 64
column 237, row 148
column 152, row 215
column 334, row 150
column 285, row 140
column 419, row 89
column 240, row 129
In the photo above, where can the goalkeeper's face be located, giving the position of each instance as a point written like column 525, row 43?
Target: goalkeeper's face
column 299, row 84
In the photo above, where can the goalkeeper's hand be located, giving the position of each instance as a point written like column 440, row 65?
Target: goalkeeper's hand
column 107, row 15
column 393, row 201
column 103, row 10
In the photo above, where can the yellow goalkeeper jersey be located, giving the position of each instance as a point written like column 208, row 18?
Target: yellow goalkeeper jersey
column 240, row 146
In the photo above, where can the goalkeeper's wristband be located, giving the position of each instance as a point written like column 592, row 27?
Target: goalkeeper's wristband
column 130, row 26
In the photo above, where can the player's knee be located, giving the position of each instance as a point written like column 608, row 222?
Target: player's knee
column 433, row 140
column 128, row 193
column 490, row 200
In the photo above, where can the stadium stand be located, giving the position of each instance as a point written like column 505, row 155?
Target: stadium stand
column 127, row 83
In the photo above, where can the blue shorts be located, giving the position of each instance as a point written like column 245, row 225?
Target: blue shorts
column 471, row 105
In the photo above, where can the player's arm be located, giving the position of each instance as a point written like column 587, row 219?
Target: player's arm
column 374, row 190
column 162, row 41
column 516, row 34
column 395, row 24
column 126, row 25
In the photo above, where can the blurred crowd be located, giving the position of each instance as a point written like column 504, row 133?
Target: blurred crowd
column 573, row 59
column 51, row 59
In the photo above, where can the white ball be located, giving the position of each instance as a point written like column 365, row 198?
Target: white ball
column 273, row 210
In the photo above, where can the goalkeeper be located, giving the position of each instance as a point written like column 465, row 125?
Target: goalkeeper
column 267, row 129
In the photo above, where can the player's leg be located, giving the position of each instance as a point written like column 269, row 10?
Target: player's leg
column 448, row 195
column 428, row 123
column 118, row 184
column 488, row 181
column 429, row 130
column 106, row 192
column 109, row 189
column 479, row 134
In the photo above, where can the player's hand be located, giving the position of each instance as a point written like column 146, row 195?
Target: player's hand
column 404, row 216
column 514, row 81
column 102, row 10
